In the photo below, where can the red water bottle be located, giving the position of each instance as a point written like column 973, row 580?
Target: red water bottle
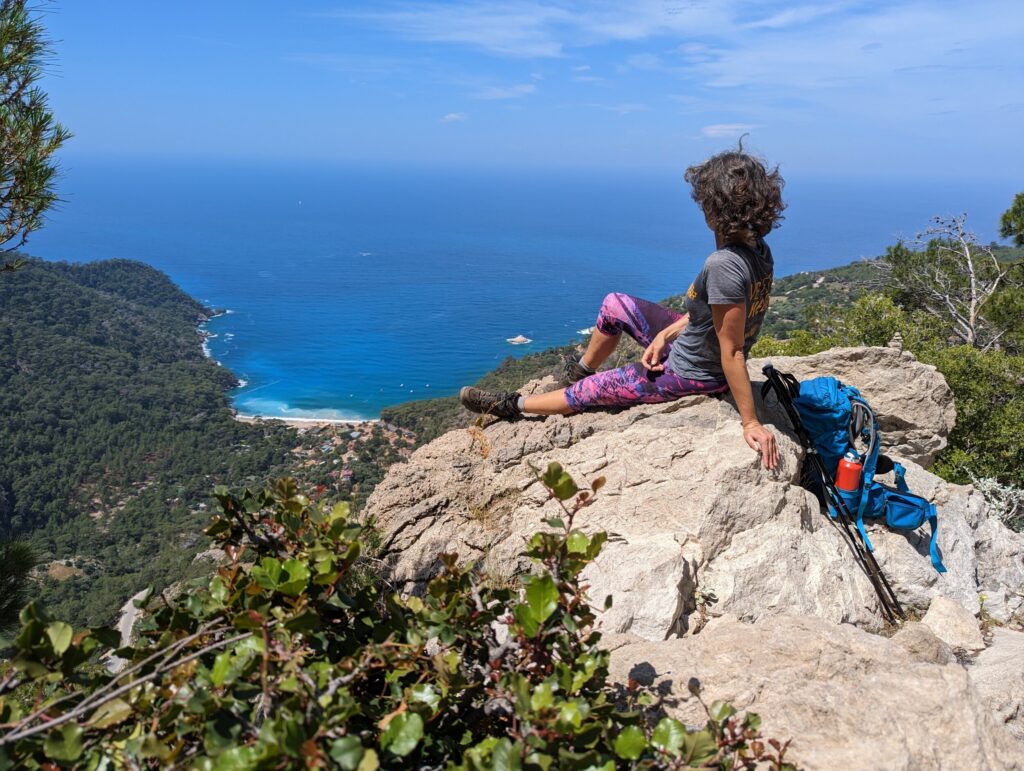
column 848, row 473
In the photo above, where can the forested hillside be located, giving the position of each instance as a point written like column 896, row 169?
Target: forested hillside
column 114, row 429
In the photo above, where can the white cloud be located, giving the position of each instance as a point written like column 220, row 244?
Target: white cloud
column 454, row 117
column 801, row 14
column 581, row 68
column 505, row 28
column 538, row 76
column 529, row 28
column 727, row 130
column 506, row 92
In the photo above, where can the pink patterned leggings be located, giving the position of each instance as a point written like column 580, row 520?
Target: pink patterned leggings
column 633, row 384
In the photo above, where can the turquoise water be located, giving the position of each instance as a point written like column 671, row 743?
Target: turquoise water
column 350, row 289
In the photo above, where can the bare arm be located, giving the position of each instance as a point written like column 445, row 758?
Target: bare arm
column 729, row 321
column 652, row 358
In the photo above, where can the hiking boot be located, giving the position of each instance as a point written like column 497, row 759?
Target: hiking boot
column 504, row 404
column 573, row 371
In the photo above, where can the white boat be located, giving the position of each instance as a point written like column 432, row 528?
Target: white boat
column 518, row 340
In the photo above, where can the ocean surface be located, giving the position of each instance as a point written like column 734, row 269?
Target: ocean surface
column 350, row 289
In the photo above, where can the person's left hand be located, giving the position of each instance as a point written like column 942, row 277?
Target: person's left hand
column 761, row 439
column 653, row 355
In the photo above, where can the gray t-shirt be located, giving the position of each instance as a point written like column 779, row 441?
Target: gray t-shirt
column 734, row 274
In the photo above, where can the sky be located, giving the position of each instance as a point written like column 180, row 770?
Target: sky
column 932, row 89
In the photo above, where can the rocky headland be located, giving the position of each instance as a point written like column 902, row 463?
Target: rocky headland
column 722, row 570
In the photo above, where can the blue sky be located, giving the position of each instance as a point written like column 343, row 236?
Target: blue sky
column 925, row 88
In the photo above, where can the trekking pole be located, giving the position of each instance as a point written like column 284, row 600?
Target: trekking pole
column 786, row 388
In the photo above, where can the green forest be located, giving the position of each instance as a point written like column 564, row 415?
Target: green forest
column 115, row 429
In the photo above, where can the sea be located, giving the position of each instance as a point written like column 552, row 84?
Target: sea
column 348, row 288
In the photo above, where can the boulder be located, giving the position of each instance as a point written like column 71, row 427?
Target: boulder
column 920, row 642
column 1000, row 554
column 998, row 675
column 954, row 625
column 847, row 699
column 697, row 527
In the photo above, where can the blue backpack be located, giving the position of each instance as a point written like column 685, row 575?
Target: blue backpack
column 836, row 416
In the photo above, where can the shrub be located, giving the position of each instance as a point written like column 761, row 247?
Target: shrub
column 288, row 657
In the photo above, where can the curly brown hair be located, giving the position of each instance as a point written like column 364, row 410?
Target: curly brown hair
column 740, row 197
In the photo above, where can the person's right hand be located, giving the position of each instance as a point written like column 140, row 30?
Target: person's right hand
column 652, row 358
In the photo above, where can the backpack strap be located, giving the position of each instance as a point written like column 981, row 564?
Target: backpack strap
column 870, row 466
column 900, row 474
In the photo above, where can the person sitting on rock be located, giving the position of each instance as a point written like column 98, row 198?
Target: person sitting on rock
column 702, row 351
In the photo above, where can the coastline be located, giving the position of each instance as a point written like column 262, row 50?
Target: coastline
column 299, row 423
column 305, row 422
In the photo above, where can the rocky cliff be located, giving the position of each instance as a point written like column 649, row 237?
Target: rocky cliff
column 723, row 570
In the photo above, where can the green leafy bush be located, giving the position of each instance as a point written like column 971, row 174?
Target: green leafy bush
column 289, row 658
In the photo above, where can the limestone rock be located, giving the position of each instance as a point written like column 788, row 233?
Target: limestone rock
column 954, row 625
column 913, row 403
column 697, row 527
column 126, row 620
column 920, row 642
column 1000, row 554
column 847, row 699
column 998, row 674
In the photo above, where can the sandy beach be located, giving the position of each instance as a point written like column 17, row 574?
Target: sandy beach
column 307, row 422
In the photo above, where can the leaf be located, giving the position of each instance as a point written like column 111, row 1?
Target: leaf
column 504, row 757
column 60, row 635
column 556, row 522
column 543, row 697
column 559, row 481
column 630, row 743
column 297, row 578
column 425, row 694
column 526, row 620
column 668, row 735
column 221, row 667
column 111, row 713
column 720, row 711
column 402, row 734
column 542, row 597
column 370, row 762
column 573, row 713
column 565, row 488
column 597, row 484
column 267, row 573
column 577, row 542
column 699, row 747
column 347, row 752
column 339, row 511
column 65, row 743
column 551, row 474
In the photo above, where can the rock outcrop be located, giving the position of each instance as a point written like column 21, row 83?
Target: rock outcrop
column 697, row 526
column 848, row 699
column 700, row 532
column 998, row 674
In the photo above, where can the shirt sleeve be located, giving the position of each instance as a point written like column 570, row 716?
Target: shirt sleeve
column 726, row 279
